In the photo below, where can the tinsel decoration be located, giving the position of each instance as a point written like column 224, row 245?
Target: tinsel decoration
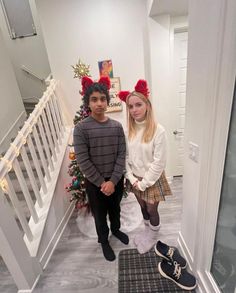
column 81, row 69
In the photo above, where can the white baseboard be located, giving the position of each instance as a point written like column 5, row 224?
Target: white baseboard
column 52, row 244
column 185, row 251
column 29, row 290
column 205, row 281
column 56, row 236
column 12, row 132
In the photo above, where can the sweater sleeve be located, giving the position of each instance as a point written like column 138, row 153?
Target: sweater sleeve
column 120, row 160
column 158, row 165
column 128, row 171
column 83, row 159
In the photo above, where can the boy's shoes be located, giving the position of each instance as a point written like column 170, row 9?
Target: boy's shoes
column 170, row 253
column 179, row 276
column 121, row 236
column 108, row 251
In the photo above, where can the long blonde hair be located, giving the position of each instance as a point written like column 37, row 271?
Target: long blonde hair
column 150, row 126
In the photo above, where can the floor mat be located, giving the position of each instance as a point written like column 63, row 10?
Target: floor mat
column 138, row 273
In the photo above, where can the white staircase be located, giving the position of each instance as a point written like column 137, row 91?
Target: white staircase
column 30, row 186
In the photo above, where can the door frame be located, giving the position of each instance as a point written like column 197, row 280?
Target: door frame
column 179, row 27
column 219, row 103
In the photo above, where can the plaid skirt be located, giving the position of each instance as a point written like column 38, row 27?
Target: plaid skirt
column 154, row 193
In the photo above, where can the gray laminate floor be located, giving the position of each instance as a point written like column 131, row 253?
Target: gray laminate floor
column 77, row 264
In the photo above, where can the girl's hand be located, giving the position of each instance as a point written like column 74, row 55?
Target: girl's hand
column 135, row 185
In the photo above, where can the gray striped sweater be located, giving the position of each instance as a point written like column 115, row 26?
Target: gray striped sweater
column 100, row 149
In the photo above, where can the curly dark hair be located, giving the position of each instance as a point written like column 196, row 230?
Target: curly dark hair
column 96, row 87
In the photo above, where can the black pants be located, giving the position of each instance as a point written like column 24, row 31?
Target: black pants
column 102, row 205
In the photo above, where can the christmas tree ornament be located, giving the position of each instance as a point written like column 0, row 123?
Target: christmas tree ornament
column 72, row 155
column 81, row 69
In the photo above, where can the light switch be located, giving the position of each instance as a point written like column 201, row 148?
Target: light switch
column 193, row 151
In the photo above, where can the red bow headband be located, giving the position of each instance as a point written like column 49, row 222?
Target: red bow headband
column 141, row 87
column 86, row 82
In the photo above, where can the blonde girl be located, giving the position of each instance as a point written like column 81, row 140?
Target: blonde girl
column 145, row 161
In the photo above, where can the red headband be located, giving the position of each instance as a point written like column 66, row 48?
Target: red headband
column 141, row 87
column 86, row 82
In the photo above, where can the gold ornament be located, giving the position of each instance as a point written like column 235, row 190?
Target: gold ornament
column 71, row 155
column 80, row 70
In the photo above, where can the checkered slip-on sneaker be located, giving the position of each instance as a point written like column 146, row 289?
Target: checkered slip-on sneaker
column 170, row 253
column 180, row 277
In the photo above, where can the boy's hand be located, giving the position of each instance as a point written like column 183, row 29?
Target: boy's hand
column 108, row 188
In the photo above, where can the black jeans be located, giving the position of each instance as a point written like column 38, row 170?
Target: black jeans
column 102, row 205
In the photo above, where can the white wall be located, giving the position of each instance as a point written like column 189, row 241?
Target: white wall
column 93, row 31
column 30, row 52
column 210, row 79
column 12, row 112
column 199, row 54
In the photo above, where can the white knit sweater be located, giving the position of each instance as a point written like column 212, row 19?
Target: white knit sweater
column 146, row 160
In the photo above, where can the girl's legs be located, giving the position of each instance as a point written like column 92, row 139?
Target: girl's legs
column 148, row 238
column 152, row 210
column 138, row 238
column 143, row 207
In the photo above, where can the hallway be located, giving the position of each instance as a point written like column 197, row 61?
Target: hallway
column 77, row 264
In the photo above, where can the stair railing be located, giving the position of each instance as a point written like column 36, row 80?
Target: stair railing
column 42, row 139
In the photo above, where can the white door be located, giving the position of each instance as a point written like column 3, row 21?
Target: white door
column 178, row 103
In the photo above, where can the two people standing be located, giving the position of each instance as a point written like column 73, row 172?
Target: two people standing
column 102, row 155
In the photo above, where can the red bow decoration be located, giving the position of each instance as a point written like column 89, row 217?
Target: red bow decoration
column 86, row 82
column 140, row 87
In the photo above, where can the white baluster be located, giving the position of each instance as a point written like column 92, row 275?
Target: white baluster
column 31, row 176
column 18, row 209
column 58, row 114
column 41, row 154
column 36, row 164
column 52, row 128
column 51, row 106
column 49, row 135
column 57, row 106
column 25, row 190
column 45, row 144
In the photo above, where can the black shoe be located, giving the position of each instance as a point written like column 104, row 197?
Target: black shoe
column 121, row 236
column 180, row 277
column 108, row 251
column 170, row 253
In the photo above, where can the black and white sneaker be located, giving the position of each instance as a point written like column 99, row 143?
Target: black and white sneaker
column 170, row 253
column 180, row 277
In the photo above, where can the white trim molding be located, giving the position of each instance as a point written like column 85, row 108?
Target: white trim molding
column 12, row 132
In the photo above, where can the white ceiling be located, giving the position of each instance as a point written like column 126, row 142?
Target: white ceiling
column 172, row 7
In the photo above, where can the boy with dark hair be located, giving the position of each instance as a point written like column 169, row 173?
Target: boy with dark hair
column 99, row 144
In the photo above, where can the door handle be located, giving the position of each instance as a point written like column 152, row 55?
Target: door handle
column 175, row 132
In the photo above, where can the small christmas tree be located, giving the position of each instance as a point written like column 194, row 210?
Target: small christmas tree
column 76, row 188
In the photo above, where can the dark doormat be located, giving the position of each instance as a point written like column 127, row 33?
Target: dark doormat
column 139, row 274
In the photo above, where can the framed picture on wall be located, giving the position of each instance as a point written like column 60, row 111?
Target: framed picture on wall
column 115, row 103
column 105, row 68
